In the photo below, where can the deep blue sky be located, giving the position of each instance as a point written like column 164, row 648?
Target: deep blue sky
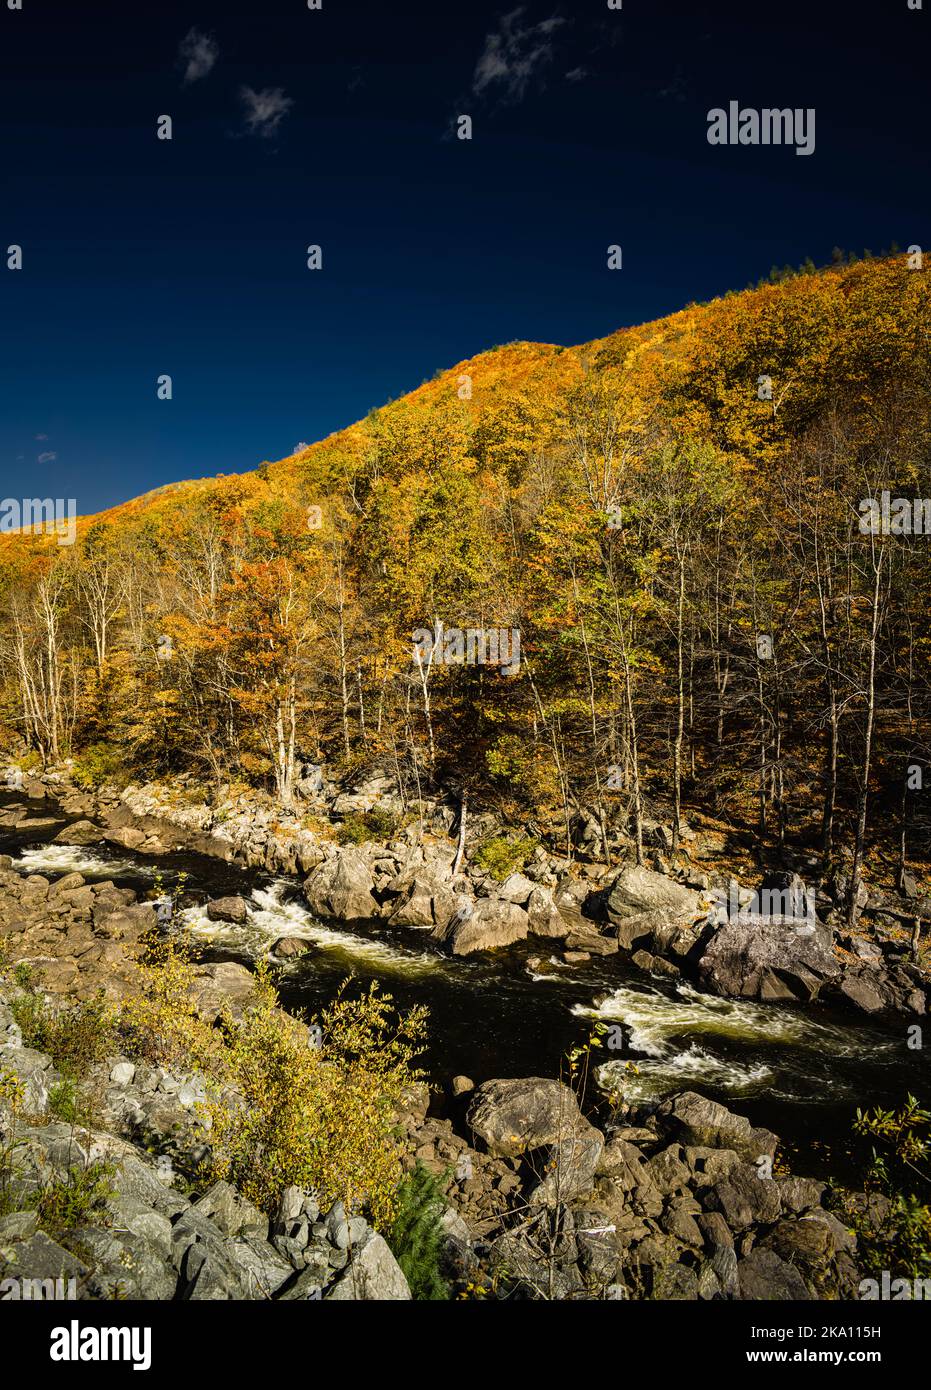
column 144, row 257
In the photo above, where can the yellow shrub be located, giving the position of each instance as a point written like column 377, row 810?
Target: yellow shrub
column 161, row 1024
column 319, row 1117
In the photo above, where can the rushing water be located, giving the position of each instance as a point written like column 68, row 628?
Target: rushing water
column 801, row 1072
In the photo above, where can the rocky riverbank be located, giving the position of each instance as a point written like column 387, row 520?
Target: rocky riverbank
column 679, row 1199
column 691, row 917
column 678, row 1202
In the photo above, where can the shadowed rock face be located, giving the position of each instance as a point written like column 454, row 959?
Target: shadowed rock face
column 644, row 906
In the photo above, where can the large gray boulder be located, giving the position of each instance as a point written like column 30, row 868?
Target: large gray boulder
column 697, row 1121
column 372, row 1275
column 233, row 909
column 488, row 925
column 343, row 887
column 80, row 832
column 427, row 901
column 544, row 917
column 637, row 890
column 758, row 957
column 516, row 1115
column 648, row 909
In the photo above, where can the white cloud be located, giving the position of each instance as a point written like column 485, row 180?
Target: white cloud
column 41, row 436
column 198, row 52
column 48, row 457
column 265, row 110
column 513, row 55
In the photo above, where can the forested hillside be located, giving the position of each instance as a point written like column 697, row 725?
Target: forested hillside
column 669, row 519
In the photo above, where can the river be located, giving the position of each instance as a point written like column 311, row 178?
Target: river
column 801, row 1071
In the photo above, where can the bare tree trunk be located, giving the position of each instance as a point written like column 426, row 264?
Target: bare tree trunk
column 460, row 847
column 866, row 766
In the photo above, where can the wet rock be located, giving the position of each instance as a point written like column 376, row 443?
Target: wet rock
column 289, row 947
column 233, row 909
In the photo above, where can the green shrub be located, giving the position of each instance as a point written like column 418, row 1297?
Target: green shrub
column 900, row 1169
column 80, row 1199
column 322, row 1118
column 416, row 1236
column 500, row 856
column 282, row 1112
column 97, row 764
column 371, row 825
column 75, row 1037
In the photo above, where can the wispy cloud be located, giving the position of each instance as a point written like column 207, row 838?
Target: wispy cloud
column 576, row 74
column 198, row 53
column 265, row 110
column 41, row 436
column 48, row 457
column 515, row 53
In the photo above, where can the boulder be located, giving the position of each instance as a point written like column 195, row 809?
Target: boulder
column 513, row 1116
column 544, row 917
column 343, row 887
column 127, row 836
column 569, row 1167
column 491, row 924
column 862, row 991
column 220, row 985
column 638, row 890
column 763, row 1275
column 754, row 956
column 695, row 1120
column 744, row 1199
column 233, row 909
column 289, row 947
column 516, row 888
column 372, row 1274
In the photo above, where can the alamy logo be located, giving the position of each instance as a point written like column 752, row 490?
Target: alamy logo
column 42, row 516
column 455, row 646
column 37, row 1290
column 77, row 1343
column 886, row 515
column 895, row 1290
column 769, row 126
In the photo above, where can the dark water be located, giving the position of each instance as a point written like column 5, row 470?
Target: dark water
column 800, row 1072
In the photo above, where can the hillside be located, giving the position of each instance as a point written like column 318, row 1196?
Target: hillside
column 663, row 523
